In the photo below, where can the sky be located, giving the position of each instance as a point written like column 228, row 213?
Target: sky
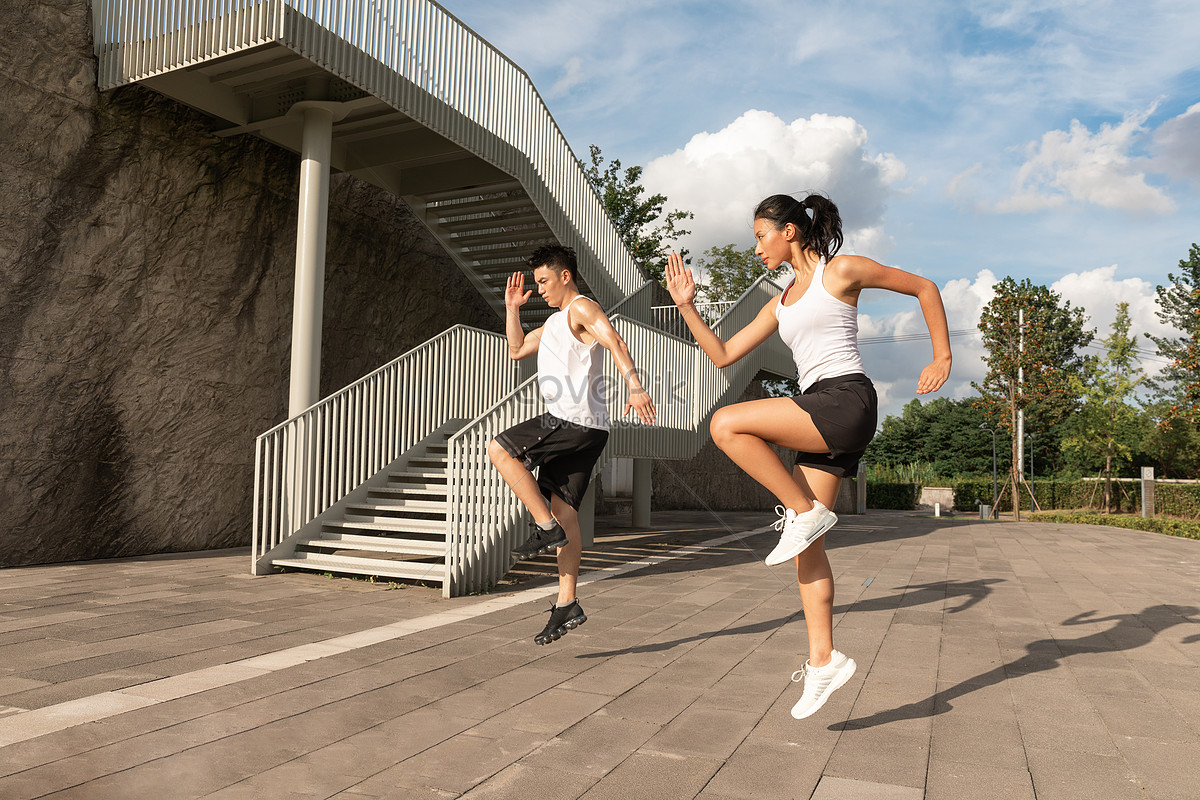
column 1054, row 141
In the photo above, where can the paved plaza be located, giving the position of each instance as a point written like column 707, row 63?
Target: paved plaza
column 996, row 660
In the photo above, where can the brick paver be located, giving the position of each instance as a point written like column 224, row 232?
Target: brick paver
column 996, row 660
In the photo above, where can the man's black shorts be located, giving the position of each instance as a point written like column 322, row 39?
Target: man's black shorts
column 845, row 411
column 564, row 453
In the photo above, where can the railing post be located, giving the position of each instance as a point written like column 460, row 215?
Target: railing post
column 642, row 489
column 311, row 224
column 1148, row 492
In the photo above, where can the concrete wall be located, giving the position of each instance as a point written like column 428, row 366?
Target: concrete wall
column 146, row 274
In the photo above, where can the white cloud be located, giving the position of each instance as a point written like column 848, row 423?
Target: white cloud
column 1177, row 145
column 572, row 76
column 1085, row 167
column 1097, row 292
column 721, row 176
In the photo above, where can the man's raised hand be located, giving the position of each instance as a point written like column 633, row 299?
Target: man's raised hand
column 515, row 294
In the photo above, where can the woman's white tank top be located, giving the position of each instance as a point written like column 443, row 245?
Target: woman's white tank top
column 822, row 332
column 571, row 374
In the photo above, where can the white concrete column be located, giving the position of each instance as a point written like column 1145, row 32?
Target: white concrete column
column 642, row 489
column 311, row 225
column 1148, row 492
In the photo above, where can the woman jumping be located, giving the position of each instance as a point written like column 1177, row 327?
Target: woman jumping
column 833, row 419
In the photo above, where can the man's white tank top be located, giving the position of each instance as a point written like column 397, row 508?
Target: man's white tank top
column 571, row 374
column 822, row 332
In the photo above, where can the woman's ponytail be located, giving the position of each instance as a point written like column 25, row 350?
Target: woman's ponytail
column 815, row 217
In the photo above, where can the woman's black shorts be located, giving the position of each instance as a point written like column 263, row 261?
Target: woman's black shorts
column 845, row 411
column 565, row 454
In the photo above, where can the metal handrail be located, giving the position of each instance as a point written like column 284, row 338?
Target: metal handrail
column 305, row 465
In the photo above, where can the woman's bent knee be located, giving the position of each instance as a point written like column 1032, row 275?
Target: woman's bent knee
column 721, row 427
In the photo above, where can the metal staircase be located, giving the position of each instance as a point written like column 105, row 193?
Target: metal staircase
column 390, row 476
column 398, row 530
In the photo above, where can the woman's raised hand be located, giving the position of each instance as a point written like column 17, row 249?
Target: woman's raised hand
column 514, row 292
column 680, row 283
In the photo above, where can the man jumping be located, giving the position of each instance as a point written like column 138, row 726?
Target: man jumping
column 566, row 442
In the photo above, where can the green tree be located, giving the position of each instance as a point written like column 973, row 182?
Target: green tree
column 1179, row 306
column 730, row 271
column 1030, row 369
column 943, row 433
column 1171, row 447
column 1108, row 426
column 640, row 221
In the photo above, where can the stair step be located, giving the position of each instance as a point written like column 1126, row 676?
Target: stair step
column 453, row 210
column 519, row 215
column 429, row 462
column 386, row 524
column 353, row 565
column 379, row 544
column 389, row 505
column 424, row 474
column 488, row 234
column 389, row 513
column 403, row 490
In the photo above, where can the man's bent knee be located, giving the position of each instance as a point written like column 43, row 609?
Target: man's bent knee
column 496, row 451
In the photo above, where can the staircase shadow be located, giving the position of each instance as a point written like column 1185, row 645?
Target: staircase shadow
column 1130, row 632
column 971, row 592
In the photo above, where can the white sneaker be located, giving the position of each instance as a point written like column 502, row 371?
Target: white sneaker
column 799, row 531
column 821, row 682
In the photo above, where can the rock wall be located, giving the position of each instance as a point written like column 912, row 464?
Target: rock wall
column 146, row 272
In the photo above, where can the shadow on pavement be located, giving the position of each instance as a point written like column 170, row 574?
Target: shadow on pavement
column 972, row 593
column 1130, row 632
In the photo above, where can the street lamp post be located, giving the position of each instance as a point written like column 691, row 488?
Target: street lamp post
column 1032, row 497
column 983, row 427
column 1030, row 437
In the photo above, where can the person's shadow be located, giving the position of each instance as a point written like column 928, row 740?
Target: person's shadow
column 1130, row 632
column 971, row 593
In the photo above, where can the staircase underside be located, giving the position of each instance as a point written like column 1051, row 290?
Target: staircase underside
column 482, row 216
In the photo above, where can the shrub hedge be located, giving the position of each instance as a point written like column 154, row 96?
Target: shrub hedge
column 898, row 496
column 1180, row 500
column 1173, row 527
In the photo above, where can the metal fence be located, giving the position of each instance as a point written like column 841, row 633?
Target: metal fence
column 305, row 465
column 669, row 320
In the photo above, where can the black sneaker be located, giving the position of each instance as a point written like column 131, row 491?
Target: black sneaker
column 541, row 541
column 562, row 619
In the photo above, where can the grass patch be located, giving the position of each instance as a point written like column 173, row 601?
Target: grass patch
column 1188, row 529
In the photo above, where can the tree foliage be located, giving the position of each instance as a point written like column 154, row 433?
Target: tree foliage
column 1179, row 306
column 1169, row 444
column 1108, row 427
column 640, row 220
column 1030, row 370
column 943, row 433
column 729, row 271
